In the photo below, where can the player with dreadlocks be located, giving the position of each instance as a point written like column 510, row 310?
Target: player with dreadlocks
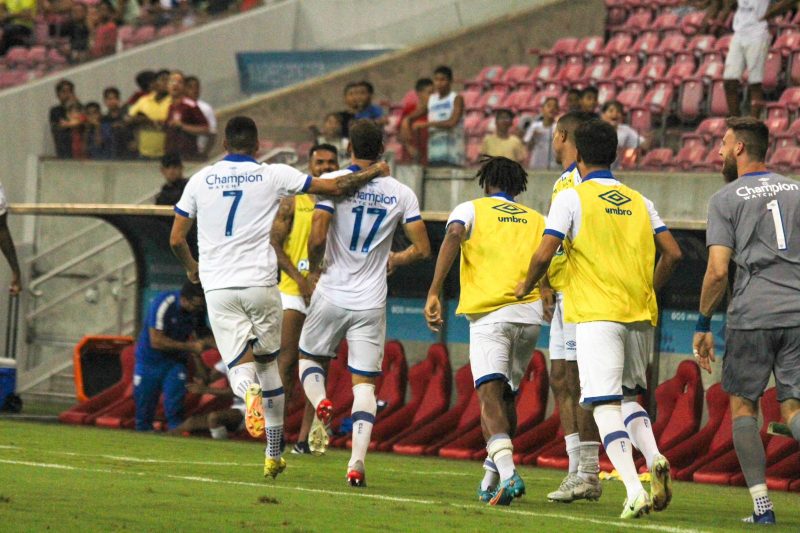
column 503, row 330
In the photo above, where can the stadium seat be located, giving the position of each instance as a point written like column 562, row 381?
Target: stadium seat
column 638, row 22
column 785, row 159
column 597, row 71
column 473, row 150
column 723, row 44
column 562, row 48
column 486, row 77
column 619, row 44
column 640, row 119
column 672, row 45
column 712, row 162
column 16, row 56
column 692, row 22
column 717, row 103
column 667, row 21
column 690, row 100
column 773, row 68
column 654, row 69
column 144, row 34
column 709, row 128
column 607, row 91
column 491, row 100
column 544, row 74
column 711, row 68
column 659, row 98
column 519, row 100
column 632, row 94
column 571, row 72
column 785, row 474
column 658, row 159
column 516, row 76
column 530, row 444
column 626, row 70
column 790, row 99
column 788, row 137
column 683, row 67
column 778, row 121
column 688, row 155
column 590, row 46
column 471, row 97
column 126, row 36
column 680, row 406
column 787, row 43
column 701, row 44
column 391, row 387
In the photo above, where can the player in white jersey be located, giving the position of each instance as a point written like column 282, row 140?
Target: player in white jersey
column 354, row 235
column 235, row 201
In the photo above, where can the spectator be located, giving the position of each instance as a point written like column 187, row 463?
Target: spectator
column 332, row 134
column 539, row 136
column 445, row 124
column 126, row 11
column 144, row 80
column 149, row 115
column 629, row 142
column 366, row 109
column 352, row 94
column 62, row 134
column 503, row 143
column 76, row 122
column 172, row 170
column 185, row 121
column 97, row 140
column 589, row 99
column 77, row 30
column 204, row 142
column 573, row 100
column 16, row 20
column 114, row 127
column 105, row 31
column 415, row 142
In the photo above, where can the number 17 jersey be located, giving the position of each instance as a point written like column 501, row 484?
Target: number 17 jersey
column 360, row 239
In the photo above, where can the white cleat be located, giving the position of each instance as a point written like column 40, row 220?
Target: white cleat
column 574, row 487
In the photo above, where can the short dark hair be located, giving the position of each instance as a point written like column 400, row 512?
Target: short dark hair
column 613, row 103
column 590, row 90
column 110, row 90
column 64, row 83
column 351, row 85
column 569, row 122
column 192, row 290
column 190, row 79
column 503, row 111
column 325, row 147
column 503, row 173
column 548, row 99
column 596, row 141
column 163, row 72
column 92, row 104
column 241, row 134
column 753, row 133
column 366, row 138
column 172, row 159
column 573, row 90
column 423, row 83
column 144, row 79
column 368, row 86
column 444, row 70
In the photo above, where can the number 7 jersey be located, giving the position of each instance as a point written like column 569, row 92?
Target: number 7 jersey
column 235, row 202
column 360, row 239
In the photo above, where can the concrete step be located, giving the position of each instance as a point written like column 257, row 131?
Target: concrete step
column 48, row 397
column 61, row 383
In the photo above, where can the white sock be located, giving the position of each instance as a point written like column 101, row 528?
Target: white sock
column 573, row 451
column 640, row 430
column 241, row 377
column 761, row 501
column 312, row 378
column 590, row 461
column 501, row 451
column 220, row 432
column 618, row 446
column 273, row 401
column 364, row 408
column 490, row 476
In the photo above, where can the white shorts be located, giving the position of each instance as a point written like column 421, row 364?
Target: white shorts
column 750, row 53
column 291, row 302
column 613, row 359
column 245, row 317
column 562, row 334
column 365, row 330
column 501, row 350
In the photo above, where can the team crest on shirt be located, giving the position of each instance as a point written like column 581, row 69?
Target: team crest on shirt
column 509, row 209
column 617, row 199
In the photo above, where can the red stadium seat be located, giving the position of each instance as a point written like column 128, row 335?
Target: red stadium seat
column 641, row 119
column 773, row 68
column 626, row 70
column 571, row 72
column 632, row 94
column 126, row 35
column 712, row 161
column 519, row 100
column 785, row 474
column 562, row 48
column 607, row 91
column 778, row 121
column 653, row 69
column 787, row 43
column 711, row 128
column 791, row 134
column 672, row 45
column 491, row 100
column 646, row 44
column 711, row 69
column 639, row 21
column 475, row 124
column 659, row 98
column 530, row 444
column 682, row 68
column 723, row 44
column 16, row 56
column 620, row 44
column 517, row 75
column 144, row 34
column 597, row 71
column 680, row 406
column 701, row 44
column 590, row 46
column 790, row 99
column 785, row 159
column 687, row 156
column 658, row 159
column 691, row 23
column 666, row 22
column 471, row 97
column 544, row 74
column 487, row 77
column 391, row 390
column 718, row 104
column 473, row 151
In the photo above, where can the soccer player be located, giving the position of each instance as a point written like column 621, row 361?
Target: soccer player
column 354, row 235
column 612, row 302
column 289, row 238
column 755, row 221
column 235, row 201
column 580, row 431
column 503, row 330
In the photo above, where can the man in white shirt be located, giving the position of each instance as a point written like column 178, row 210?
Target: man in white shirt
column 7, row 246
column 235, row 201
column 354, row 235
column 204, row 142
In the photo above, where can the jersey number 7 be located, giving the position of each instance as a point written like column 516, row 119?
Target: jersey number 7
column 379, row 213
column 237, row 197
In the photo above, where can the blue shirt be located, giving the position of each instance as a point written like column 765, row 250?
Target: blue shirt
column 372, row 111
column 166, row 315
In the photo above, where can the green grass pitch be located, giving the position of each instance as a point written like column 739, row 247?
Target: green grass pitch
column 64, row 478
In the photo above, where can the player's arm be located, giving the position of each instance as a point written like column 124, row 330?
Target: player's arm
column 779, row 8
column 317, row 241
column 160, row 341
column 715, row 283
column 348, row 183
column 420, row 246
column 10, row 252
column 420, row 111
column 277, row 238
column 180, row 247
column 670, row 254
column 451, row 245
column 540, row 262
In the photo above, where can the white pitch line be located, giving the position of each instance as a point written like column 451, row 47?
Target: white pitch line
column 639, row 525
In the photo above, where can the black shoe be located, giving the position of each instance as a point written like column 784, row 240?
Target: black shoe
column 301, row 448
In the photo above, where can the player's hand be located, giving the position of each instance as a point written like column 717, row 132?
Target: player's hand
column 383, row 166
column 306, row 290
column 196, row 388
column 433, row 313
column 703, row 347
column 548, row 303
column 419, row 126
column 312, row 280
column 193, row 275
column 521, row 291
column 15, row 287
column 197, row 347
column 391, row 264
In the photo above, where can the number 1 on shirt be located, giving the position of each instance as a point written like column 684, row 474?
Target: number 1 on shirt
column 237, row 196
column 359, row 211
column 777, row 219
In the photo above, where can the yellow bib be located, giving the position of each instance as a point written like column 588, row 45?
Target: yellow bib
column 495, row 258
column 611, row 261
column 296, row 245
column 557, row 273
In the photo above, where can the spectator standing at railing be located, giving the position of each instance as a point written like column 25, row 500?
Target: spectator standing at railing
column 16, row 20
column 503, row 143
column 149, row 116
column 331, row 134
column 185, row 121
column 415, row 142
column 172, row 170
column 539, row 136
column 62, row 136
column 97, row 140
column 204, row 142
column 113, row 124
column 7, row 246
column 366, row 109
column 144, row 80
column 629, row 142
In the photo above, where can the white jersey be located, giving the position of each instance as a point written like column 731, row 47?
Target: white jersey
column 747, row 22
column 235, row 201
column 3, row 201
column 360, row 239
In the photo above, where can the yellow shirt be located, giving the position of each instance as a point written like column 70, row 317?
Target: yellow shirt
column 494, row 259
column 296, row 245
column 611, row 258
column 557, row 273
column 511, row 147
column 17, row 6
column 151, row 141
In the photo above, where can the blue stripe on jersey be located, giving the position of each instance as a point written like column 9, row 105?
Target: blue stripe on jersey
column 364, row 416
column 313, row 355
column 366, row 373
column 181, row 212
column 599, row 174
column 503, row 195
column 456, row 221
column 614, row 435
column 307, row 184
column 761, row 173
column 354, row 168
column 634, row 416
column 239, row 158
column 554, row 233
column 413, row 219
column 598, row 399
column 661, row 229
column 324, row 208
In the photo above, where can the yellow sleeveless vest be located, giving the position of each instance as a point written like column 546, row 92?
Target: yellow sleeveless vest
column 557, row 273
column 612, row 259
column 495, row 258
column 296, row 245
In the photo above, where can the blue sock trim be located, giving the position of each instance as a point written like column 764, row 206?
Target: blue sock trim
column 312, row 370
column 614, row 435
column 489, row 465
column 634, row 416
column 497, row 436
column 364, row 416
column 272, row 393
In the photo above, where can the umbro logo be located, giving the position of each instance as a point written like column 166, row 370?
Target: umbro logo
column 615, row 198
column 509, row 209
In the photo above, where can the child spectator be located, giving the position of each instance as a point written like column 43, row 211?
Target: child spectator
column 331, row 133
column 415, row 142
column 105, row 31
column 366, row 109
column 174, row 182
column 503, row 143
column 352, row 97
column 589, row 99
column 76, row 122
column 629, row 143
column 113, row 125
column 97, row 139
column 539, row 136
column 573, row 100
column 185, row 121
column 62, row 134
